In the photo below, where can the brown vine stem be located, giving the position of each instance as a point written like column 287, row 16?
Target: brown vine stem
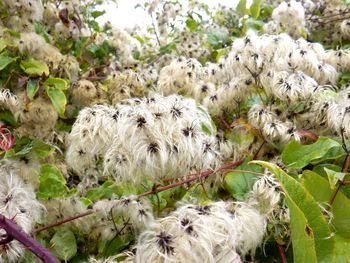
column 331, row 21
column 194, row 177
column 258, row 151
column 282, row 253
column 66, row 220
column 154, row 28
column 201, row 175
column 331, row 16
column 344, row 169
column 341, row 182
column 223, row 121
column 15, row 232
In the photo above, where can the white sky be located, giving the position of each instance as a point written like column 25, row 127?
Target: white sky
column 125, row 15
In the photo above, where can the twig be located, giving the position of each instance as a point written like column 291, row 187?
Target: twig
column 331, row 21
column 7, row 80
column 282, row 253
column 154, row 29
column 61, row 222
column 258, row 151
column 223, row 121
column 34, row 246
column 344, row 169
column 235, row 122
column 201, row 175
column 340, row 183
column 337, row 14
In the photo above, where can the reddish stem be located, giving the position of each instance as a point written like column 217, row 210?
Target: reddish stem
column 61, row 222
column 201, row 175
column 340, row 183
column 223, row 121
column 258, row 151
column 14, row 231
column 282, row 253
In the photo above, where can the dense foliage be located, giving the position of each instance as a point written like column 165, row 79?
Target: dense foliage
column 215, row 135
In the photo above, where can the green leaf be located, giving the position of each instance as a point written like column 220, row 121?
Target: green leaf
column 41, row 149
column 213, row 39
column 136, row 54
column 116, row 245
column 240, row 135
column 239, row 183
column 97, row 13
column 334, row 177
column 63, row 244
column 13, row 32
column 207, row 130
column 303, row 32
column 254, row 24
column 241, row 7
column 54, row 88
column 266, row 11
column 21, row 147
column 311, row 236
column 34, row 67
column 5, row 60
column 140, row 39
column 58, row 99
column 85, row 201
column 297, row 155
column 23, row 151
column 255, row 8
column 3, row 43
column 191, row 24
column 57, row 83
column 32, row 88
column 39, row 27
column 10, row 153
column 196, row 192
column 7, row 117
column 100, row 51
column 106, row 190
column 221, row 53
column 341, row 252
column 94, row 25
column 62, row 126
column 52, row 183
column 79, row 46
column 320, row 189
column 319, row 35
column 41, row 30
column 333, row 153
column 345, row 75
column 168, row 48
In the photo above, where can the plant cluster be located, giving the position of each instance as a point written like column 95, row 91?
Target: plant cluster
column 213, row 135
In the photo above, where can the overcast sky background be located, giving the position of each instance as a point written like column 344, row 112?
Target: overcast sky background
column 125, row 14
